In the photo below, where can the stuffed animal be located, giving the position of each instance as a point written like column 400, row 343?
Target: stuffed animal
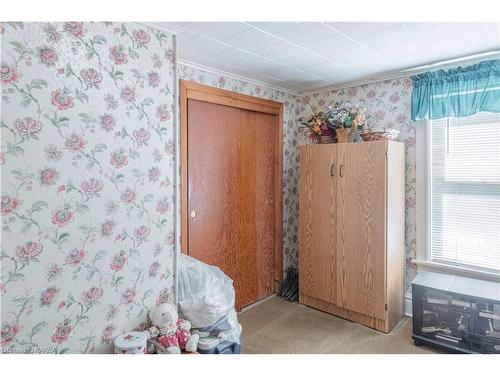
column 174, row 332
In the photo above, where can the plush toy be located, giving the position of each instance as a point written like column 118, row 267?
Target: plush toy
column 174, row 332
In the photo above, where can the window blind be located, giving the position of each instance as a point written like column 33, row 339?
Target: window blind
column 465, row 191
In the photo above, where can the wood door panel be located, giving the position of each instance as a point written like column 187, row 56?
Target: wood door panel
column 231, row 187
column 317, row 224
column 207, row 233
column 361, row 220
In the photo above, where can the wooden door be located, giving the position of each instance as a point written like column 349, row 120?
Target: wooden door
column 361, row 228
column 230, row 178
column 317, row 224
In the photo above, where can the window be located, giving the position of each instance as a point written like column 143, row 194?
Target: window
column 464, row 191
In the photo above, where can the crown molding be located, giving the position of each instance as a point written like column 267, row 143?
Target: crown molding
column 236, row 76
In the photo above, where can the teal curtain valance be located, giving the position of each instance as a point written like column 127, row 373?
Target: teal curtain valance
column 456, row 92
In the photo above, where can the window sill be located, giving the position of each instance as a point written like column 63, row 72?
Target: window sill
column 424, row 265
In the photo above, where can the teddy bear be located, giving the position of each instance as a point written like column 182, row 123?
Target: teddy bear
column 173, row 333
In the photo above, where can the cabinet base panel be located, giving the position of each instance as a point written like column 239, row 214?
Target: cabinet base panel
column 369, row 321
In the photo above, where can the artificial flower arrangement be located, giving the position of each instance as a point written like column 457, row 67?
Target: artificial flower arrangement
column 319, row 131
column 339, row 119
column 345, row 118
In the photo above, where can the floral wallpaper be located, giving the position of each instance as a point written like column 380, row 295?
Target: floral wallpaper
column 87, row 159
column 290, row 146
column 388, row 105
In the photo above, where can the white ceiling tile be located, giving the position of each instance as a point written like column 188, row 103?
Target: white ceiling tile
column 235, row 56
column 203, row 46
column 304, row 60
column 253, row 40
column 272, row 27
column 385, row 38
column 326, row 69
column 217, row 30
column 262, row 65
column 358, row 29
column 328, row 47
column 305, row 33
column 355, row 54
column 280, row 51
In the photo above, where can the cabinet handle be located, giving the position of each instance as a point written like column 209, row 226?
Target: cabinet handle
column 332, row 170
column 341, row 172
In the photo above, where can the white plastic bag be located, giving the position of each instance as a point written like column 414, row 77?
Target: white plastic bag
column 206, row 294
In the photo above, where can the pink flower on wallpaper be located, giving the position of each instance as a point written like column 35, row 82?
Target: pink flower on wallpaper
column 221, row 81
column 75, row 143
column 29, row 252
column 170, row 55
column 128, row 296
column 107, row 122
column 371, row 94
column 28, row 127
column 401, row 119
column 62, row 100
column 127, row 94
column 92, row 295
column 9, row 204
column 141, row 233
column 411, row 142
column 163, row 297
column 8, row 74
column 118, row 55
column 75, row 29
column 48, row 176
column 411, row 202
column 107, row 334
column 91, row 77
column 62, row 331
column 61, row 305
column 9, row 333
column 142, row 136
column 62, row 216
column 407, row 83
column 379, row 115
column 352, row 91
column 3, row 289
column 162, row 112
column 128, row 196
column 47, row 56
column 141, row 37
column 153, row 268
column 154, row 174
column 75, row 257
column 394, row 98
column 170, row 147
column 163, row 206
column 48, row 296
column 107, row 228
column 154, row 79
column 119, row 159
column 92, row 186
column 118, row 262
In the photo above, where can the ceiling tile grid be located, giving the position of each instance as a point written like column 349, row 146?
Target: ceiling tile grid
column 305, row 56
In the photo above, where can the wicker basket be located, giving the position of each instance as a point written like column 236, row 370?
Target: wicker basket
column 380, row 135
column 326, row 139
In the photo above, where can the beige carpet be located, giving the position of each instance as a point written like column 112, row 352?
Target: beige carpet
column 277, row 326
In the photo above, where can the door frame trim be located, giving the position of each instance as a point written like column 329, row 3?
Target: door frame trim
column 196, row 91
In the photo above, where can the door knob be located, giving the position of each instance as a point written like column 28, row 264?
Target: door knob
column 193, row 213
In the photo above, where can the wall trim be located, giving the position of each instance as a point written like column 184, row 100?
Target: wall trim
column 449, row 269
column 235, row 76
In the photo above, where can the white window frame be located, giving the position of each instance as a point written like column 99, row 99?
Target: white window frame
column 423, row 258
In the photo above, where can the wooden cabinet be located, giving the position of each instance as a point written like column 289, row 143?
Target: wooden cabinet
column 351, row 232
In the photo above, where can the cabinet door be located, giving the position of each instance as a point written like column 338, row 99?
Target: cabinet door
column 317, row 229
column 361, row 228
